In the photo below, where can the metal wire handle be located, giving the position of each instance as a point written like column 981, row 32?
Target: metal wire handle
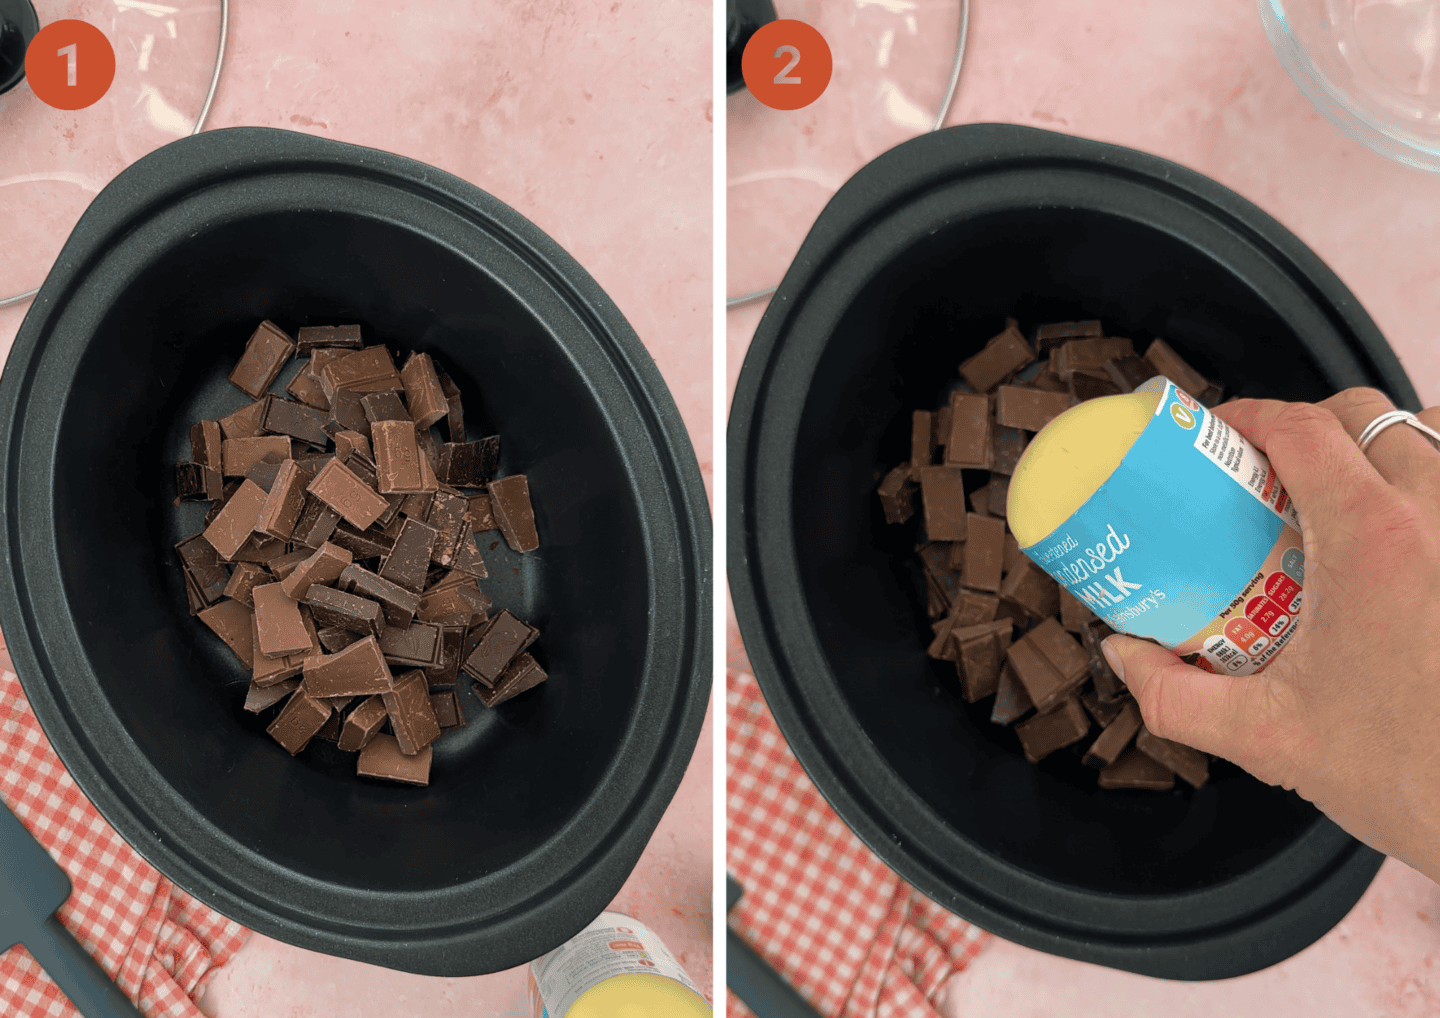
column 750, row 298
column 199, row 122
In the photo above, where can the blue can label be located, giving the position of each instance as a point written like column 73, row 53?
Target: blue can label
column 1191, row 542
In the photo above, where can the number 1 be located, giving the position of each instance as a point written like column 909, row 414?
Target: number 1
column 783, row 77
column 68, row 52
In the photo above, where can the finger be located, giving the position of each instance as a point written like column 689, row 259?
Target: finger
column 1316, row 459
column 1206, row 710
column 1403, row 455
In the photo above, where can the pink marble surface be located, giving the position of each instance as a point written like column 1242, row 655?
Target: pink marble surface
column 1198, row 83
column 594, row 119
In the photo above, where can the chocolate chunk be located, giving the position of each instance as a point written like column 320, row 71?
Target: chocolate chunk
column 307, row 389
column 1063, row 653
column 423, row 391
column 1107, row 683
column 363, row 724
column 417, row 506
column 232, row 622
column 996, row 490
column 942, row 493
column 409, row 560
column 896, row 495
column 984, row 552
column 298, row 721
column 382, row 758
column 383, row 406
column 246, row 577
column 1007, row 445
column 480, row 515
column 336, row 638
column 978, row 662
column 245, row 422
column 510, row 501
column 347, row 442
column 277, row 618
column 311, row 336
column 1030, row 409
column 1213, row 395
column 240, row 454
column 505, row 637
column 1005, row 353
column 1073, row 613
column 1190, row 764
column 283, row 566
column 366, row 544
column 197, row 483
column 316, row 523
column 399, row 604
column 258, row 698
column 397, row 458
column 234, row 524
column 283, row 503
column 417, row 644
column 266, row 471
column 347, row 413
column 336, row 608
column 1129, row 373
column 1085, row 386
column 1161, row 356
column 1012, row 702
column 339, row 488
column 323, row 355
column 1044, row 684
column 358, row 670
column 970, row 422
column 1088, row 355
column 205, row 444
column 1048, row 381
column 324, row 566
column 452, row 596
column 330, row 730
column 455, row 419
column 449, row 514
column 467, row 556
column 469, row 464
column 448, row 712
column 1103, row 711
column 1055, row 729
column 1032, row 588
column 202, row 564
column 524, row 673
column 412, row 719
column 1136, row 770
column 265, row 354
column 261, row 549
column 452, row 644
column 369, row 370
column 1046, row 336
column 922, row 441
column 297, row 421
column 1106, row 749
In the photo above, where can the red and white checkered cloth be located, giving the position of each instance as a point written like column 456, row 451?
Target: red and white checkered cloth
column 824, row 911
column 156, row 941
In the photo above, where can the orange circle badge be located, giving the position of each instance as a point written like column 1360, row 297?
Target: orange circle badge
column 70, row 64
column 786, row 64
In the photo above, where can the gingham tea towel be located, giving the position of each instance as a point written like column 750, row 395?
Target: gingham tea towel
column 156, row 941
column 824, row 911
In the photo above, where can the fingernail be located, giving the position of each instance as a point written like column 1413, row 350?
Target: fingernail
column 1112, row 658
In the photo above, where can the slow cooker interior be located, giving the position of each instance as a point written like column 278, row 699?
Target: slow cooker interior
column 897, row 348
column 513, row 776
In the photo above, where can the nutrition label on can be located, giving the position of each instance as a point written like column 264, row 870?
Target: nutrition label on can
column 1241, row 461
column 612, row 945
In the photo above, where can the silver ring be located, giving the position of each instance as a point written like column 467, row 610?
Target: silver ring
column 1390, row 417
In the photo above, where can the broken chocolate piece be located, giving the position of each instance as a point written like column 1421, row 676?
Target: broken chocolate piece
column 206, row 440
column 316, row 523
column 409, row 560
column 1136, row 770
column 1011, row 700
column 1190, row 764
column 278, row 621
column 895, row 491
column 984, row 552
column 297, row 420
column 942, row 493
column 245, row 422
column 240, row 454
column 510, row 502
column 399, row 604
column 423, row 391
column 1106, row 749
column 382, row 758
column 336, row 638
column 1161, row 356
column 1031, row 588
column 383, row 406
column 1002, row 355
column 339, row 488
column 469, row 464
column 258, row 698
column 307, row 389
column 448, row 712
column 970, row 421
column 397, row 458
column 246, row 577
column 299, row 720
column 361, row 544
column 235, row 523
column 417, row 644
column 524, row 673
column 336, row 608
column 1055, row 729
column 1088, row 355
column 1028, row 409
column 281, row 510
column 233, row 623
column 1007, row 445
column 203, row 567
column 265, row 354
column 197, row 483
column 363, row 724
column 505, row 637
column 1103, row 711
column 311, row 336
column 412, row 719
column 347, row 413
column 1047, row 335
column 324, row 566
column 358, row 670
column 368, row 370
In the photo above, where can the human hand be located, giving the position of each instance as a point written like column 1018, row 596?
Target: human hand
column 1348, row 713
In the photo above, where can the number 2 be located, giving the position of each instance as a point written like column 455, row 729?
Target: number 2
column 68, row 52
column 783, row 77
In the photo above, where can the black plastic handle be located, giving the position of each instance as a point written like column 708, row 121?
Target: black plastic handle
column 762, row 989
column 77, row 974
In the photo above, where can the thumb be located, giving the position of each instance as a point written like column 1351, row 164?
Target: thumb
column 1205, row 710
